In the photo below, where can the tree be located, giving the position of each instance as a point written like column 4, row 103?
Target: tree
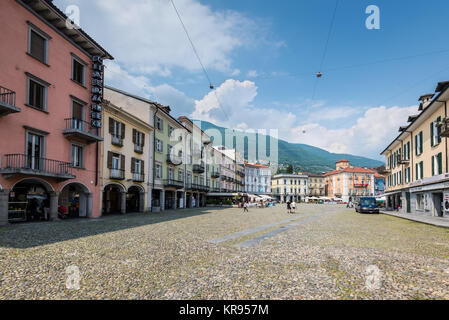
column 290, row 169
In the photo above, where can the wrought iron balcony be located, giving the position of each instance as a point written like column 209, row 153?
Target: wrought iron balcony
column 117, row 174
column 198, row 168
column 241, row 173
column 7, row 102
column 173, row 183
column 22, row 164
column 81, row 129
column 401, row 160
column 117, row 141
column 138, row 148
column 215, row 174
column 174, row 160
column 138, row 177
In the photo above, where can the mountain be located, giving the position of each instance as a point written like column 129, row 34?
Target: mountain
column 302, row 156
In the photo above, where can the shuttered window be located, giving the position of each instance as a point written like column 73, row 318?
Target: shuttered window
column 38, row 46
column 78, row 71
column 37, row 94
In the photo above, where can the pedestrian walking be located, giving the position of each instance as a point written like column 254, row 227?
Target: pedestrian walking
column 245, row 207
column 293, row 206
column 289, row 208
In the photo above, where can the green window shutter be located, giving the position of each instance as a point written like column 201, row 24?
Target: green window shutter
column 421, row 169
column 408, row 150
column 416, row 171
column 433, row 165
column 416, row 145
column 440, row 163
column 432, row 143
column 420, row 142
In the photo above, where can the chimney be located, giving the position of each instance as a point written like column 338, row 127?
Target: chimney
column 425, row 101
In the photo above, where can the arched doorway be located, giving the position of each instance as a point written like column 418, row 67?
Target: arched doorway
column 114, row 199
column 29, row 200
column 76, row 200
column 134, row 199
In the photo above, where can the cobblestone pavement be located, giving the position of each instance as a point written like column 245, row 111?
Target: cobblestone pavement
column 321, row 252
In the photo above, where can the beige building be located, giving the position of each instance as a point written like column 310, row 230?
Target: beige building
column 417, row 179
column 125, row 161
column 316, row 184
column 289, row 187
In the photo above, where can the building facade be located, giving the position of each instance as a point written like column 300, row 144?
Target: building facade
column 257, row 179
column 417, row 177
column 379, row 184
column 317, row 186
column 348, row 183
column 50, row 91
column 289, row 187
column 125, row 161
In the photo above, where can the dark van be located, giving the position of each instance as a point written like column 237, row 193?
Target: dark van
column 367, row 205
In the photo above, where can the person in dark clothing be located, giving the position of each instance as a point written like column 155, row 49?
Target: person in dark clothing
column 289, row 208
column 33, row 209
column 245, row 207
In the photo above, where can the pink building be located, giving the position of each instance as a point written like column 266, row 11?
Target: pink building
column 51, row 83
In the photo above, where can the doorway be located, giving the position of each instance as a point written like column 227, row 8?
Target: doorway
column 438, row 204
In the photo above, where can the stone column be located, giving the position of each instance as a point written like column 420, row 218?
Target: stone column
column 142, row 201
column 122, row 202
column 89, row 205
column 150, row 199
column 197, row 201
column 4, row 197
column 184, row 199
column 175, row 205
column 54, row 206
column 162, row 200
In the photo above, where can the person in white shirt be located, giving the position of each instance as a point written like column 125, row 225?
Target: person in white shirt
column 293, row 206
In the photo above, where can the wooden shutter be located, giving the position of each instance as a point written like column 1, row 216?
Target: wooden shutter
column 122, row 162
column 416, row 145
column 133, row 160
column 420, row 142
column 416, row 171
column 408, row 150
column 134, row 136
column 440, row 163
column 37, row 46
column 142, row 167
column 109, row 159
column 432, row 142
column 421, row 169
column 111, row 125
column 433, row 165
column 143, row 139
column 123, row 130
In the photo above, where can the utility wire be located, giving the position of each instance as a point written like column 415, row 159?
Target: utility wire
column 211, row 86
column 325, row 48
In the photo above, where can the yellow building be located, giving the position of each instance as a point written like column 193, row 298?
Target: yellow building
column 316, row 185
column 125, row 161
column 417, row 179
column 289, row 187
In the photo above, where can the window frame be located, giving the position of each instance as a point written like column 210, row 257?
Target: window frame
column 44, row 84
column 84, row 65
column 77, row 145
column 46, row 37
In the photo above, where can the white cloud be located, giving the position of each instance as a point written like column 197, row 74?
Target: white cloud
column 146, row 37
column 252, row 74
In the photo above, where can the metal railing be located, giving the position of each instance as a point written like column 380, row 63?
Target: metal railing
column 37, row 164
column 80, row 125
column 117, row 174
column 175, row 160
column 7, row 96
column 138, row 177
column 173, row 183
column 138, row 148
column 117, row 140
column 198, row 168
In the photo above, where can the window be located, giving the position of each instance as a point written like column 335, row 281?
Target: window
column 180, row 175
column 159, row 146
column 117, row 130
column 138, row 140
column 159, row 124
column 435, row 132
column 170, row 130
column 407, row 151
column 418, row 144
column 407, row 175
column 437, row 164
column 35, row 151
column 419, row 168
column 158, row 168
column 78, row 71
column 37, row 94
column 38, row 45
column 76, row 156
column 116, row 162
column 420, row 201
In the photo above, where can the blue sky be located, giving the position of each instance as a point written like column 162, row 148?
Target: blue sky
column 262, row 56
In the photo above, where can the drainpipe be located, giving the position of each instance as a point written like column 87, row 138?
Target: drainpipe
column 154, row 151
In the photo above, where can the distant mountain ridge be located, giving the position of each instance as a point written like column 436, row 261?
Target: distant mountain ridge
column 303, row 157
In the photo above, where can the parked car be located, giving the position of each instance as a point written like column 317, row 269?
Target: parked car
column 367, row 205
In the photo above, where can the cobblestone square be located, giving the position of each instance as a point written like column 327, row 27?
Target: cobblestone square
column 320, row 252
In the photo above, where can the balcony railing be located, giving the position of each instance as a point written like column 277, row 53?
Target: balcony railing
column 173, row 183
column 138, row 148
column 117, row 174
column 198, row 168
column 241, row 173
column 174, row 160
column 7, row 102
column 215, row 174
column 361, row 185
column 36, row 166
column 117, row 141
column 138, row 177
column 81, row 129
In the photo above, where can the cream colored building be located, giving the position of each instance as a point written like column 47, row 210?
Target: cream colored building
column 288, row 187
column 125, row 161
column 417, row 178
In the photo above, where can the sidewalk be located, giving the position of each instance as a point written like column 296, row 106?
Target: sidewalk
column 435, row 221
